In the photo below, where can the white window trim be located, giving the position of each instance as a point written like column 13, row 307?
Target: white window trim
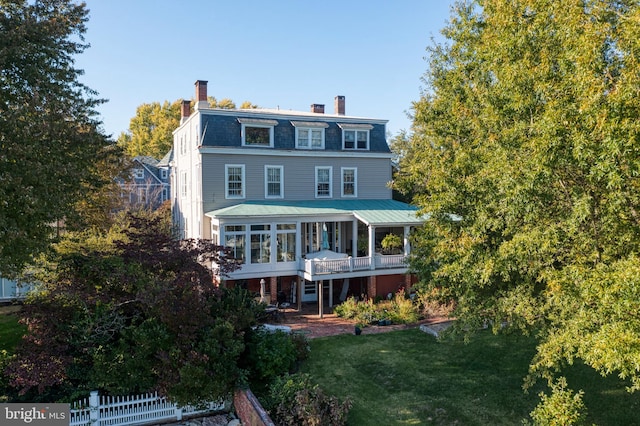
column 330, row 181
column 309, row 126
column 356, row 128
column 164, row 173
column 138, row 173
column 226, row 182
column 264, row 124
column 355, row 182
column 183, row 184
column 266, row 181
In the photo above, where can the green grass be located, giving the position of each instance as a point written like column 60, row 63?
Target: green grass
column 10, row 330
column 409, row 378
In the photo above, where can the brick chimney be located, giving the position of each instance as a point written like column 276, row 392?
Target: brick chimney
column 201, row 94
column 339, row 105
column 185, row 110
column 317, row 108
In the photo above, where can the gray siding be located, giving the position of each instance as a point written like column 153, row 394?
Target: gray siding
column 299, row 177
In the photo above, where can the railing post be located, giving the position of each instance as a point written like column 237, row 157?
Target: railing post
column 178, row 413
column 350, row 264
column 94, row 408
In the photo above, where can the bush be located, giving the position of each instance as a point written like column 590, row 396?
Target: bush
column 295, row 401
column 403, row 310
column 347, row 309
column 399, row 310
column 269, row 354
column 562, row 408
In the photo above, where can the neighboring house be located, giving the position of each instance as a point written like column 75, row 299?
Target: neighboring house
column 302, row 198
column 11, row 290
column 149, row 184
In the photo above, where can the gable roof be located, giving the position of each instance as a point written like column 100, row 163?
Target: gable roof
column 168, row 157
column 371, row 212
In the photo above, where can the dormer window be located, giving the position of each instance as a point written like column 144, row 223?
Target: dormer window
column 309, row 135
column 355, row 136
column 257, row 132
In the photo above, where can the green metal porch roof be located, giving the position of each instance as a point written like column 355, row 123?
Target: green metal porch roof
column 371, row 212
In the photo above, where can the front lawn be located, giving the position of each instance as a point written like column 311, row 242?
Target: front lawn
column 10, row 330
column 409, row 378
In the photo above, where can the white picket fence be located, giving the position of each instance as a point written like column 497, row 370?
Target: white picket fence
column 131, row 410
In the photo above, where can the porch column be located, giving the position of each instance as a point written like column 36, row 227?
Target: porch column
column 407, row 246
column 372, row 245
column 320, row 301
column 331, row 293
column 299, row 293
column 298, row 241
column 273, row 288
column 372, row 287
column 354, row 237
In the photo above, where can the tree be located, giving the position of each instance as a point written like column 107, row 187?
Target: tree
column 49, row 133
column 132, row 311
column 528, row 132
column 151, row 130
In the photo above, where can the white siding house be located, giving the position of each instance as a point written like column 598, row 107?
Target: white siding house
column 301, row 197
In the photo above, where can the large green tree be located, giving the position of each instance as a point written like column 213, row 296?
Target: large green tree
column 49, row 133
column 528, row 131
column 151, row 129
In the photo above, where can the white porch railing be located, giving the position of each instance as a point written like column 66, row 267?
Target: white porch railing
column 350, row 264
column 130, row 410
column 391, row 261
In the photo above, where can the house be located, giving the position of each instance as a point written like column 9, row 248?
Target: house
column 301, row 198
column 11, row 290
column 149, row 185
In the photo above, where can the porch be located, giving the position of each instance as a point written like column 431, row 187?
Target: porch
column 319, row 269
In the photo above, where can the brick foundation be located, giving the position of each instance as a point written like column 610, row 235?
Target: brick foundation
column 249, row 409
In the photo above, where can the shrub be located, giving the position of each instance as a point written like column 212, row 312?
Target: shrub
column 294, row 400
column 403, row 310
column 347, row 309
column 562, row 408
column 269, row 354
column 301, row 346
column 399, row 310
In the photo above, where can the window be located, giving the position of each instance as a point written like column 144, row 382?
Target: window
column 215, row 234
column 183, row 145
column 356, row 139
column 141, row 194
column 260, row 243
column 234, row 180
column 257, row 132
column 138, row 173
column 286, row 240
column 165, row 193
column 323, row 182
column 309, row 135
column 349, row 182
column 234, row 239
column 164, row 173
column 183, row 184
column 274, row 181
column 355, row 136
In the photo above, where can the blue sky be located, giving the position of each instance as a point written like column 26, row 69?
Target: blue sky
column 283, row 54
